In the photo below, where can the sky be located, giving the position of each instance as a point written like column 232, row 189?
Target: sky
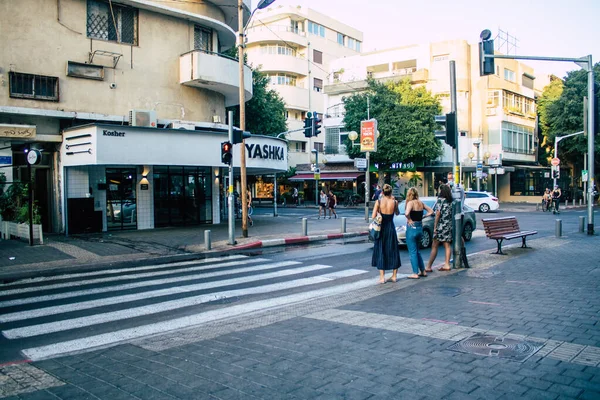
column 549, row 28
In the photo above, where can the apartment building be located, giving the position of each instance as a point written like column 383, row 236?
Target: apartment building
column 125, row 100
column 294, row 46
column 496, row 114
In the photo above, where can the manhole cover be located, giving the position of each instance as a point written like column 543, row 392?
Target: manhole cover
column 448, row 291
column 497, row 346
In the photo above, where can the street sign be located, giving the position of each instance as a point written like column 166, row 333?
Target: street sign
column 479, row 171
column 317, row 174
column 555, row 161
column 368, row 135
column 584, row 175
column 360, row 163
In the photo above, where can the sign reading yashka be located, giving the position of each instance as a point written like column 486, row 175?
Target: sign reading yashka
column 266, row 152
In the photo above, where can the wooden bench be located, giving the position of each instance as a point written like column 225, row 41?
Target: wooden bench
column 505, row 228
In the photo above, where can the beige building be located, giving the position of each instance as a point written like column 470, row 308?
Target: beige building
column 149, row 78
column 496, row 114
column 294, row 46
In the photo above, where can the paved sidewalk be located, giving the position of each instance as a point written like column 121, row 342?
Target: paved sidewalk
column 424, row 339
column 59, row 253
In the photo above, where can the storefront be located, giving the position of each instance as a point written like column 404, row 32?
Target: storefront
column 121, row 177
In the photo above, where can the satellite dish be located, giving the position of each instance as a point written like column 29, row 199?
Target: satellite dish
column 486, row 34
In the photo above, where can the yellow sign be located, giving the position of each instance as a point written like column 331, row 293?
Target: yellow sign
column 317, row 176
column 230, row 189
column 18, row 131
column 368, row 135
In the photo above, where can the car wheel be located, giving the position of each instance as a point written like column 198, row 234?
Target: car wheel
column 484, row 208
column 426, row 239
column 467, row 232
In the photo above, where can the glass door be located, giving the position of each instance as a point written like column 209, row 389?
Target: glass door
column 121, row 207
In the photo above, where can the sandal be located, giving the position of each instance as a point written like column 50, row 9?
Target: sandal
column 413, row 276
column 423, row 274
column 444, row 269
column 392, row 280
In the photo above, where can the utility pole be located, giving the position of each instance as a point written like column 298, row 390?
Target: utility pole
column 242, row 119
column 591, row 100
column 230, row 199
column 456, row 193
column 368, row 173
column 585, row 133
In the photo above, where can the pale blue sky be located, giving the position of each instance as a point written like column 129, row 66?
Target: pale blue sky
column 543, row 27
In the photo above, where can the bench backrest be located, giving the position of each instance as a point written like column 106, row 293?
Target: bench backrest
column 500, row 226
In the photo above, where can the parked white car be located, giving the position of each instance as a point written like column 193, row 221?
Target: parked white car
column 482, row 201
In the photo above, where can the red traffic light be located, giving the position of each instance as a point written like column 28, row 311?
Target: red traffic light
column 226, row 153
column 226, row 147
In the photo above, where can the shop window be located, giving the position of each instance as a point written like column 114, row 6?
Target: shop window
column 112, row 22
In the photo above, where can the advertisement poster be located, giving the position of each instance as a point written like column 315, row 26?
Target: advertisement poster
column 368, row 135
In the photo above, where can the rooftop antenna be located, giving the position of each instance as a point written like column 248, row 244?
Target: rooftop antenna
column 506, row 43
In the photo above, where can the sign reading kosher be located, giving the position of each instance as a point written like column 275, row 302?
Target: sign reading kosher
column 368, row 135
column 266, row 152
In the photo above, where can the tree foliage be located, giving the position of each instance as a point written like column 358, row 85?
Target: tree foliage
column 564, row 115
column 405, row 120
column 265, row 112
column 551, row 93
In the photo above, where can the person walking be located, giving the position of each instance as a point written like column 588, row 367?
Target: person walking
column 386, row 255
column 331, row 203
column 322, row 204
column 556, row 195
column 377, row 193
column 295, row 196
column 414, row 230
column 442, row 228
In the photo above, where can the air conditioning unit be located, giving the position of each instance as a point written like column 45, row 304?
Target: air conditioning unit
column 181, row 125
column 142, row 118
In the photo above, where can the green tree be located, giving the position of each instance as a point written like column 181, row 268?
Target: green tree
column 405, row 120
column 265, row 112
column 565, row 115
column 551, row 93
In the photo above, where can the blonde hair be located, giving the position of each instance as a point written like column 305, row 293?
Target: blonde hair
column 387, row 190
column 412, row 194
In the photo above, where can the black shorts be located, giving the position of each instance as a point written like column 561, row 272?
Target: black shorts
column 322, row 205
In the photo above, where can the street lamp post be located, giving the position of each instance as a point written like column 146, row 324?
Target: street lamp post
column 477, row 143
column 242, row 31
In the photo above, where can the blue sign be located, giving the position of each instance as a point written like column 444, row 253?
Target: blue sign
column 479, row 167
column 5, row 160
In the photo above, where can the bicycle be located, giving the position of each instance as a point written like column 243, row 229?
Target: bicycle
column 555, row 206
column 546, row 205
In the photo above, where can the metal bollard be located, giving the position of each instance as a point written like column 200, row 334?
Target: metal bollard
column 207, row 241
column 579, row 202
column 537, row 207
column 304, row 227
column 581, row 223
column 566, row 203
column 558, row 228
column 343, row 224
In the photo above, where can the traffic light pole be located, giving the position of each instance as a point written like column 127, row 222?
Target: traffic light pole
column 588, row 66
column 230, row 203
column 456, row 193
column 242, row 119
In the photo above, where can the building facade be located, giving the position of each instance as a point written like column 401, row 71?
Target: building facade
column 496, row 113
column 126, row 101
column 294, row 46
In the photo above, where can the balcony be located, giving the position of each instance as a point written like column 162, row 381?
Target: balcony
column 415, row 76
column 214, row 72
column 294, row 97
column 282, row 63
column 277, row 33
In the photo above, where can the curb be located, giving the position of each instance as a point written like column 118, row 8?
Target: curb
column 295, row 240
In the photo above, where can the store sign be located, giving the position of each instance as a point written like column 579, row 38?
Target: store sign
column 368, row 135
column 106, row 132
column 266, row 152
column 495, row 160
column 18, row 131
column 399, row 166
column 360, row 163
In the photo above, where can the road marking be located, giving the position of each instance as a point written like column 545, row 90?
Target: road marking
column 110, row 338
column 84, row 305
column 133, row 312
column 123, row 270
column 87, row 292
column 135, row 276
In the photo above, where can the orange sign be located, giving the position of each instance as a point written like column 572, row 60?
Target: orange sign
column 368, row 135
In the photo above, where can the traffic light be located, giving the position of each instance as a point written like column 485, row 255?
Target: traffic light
column 450, row 134
column 556, row 173
column 316, row 122
column 239, row 136
column 308, row 125
column 486, row 48
column 226, row 153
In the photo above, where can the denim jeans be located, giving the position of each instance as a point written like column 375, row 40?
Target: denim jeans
column 413, row 240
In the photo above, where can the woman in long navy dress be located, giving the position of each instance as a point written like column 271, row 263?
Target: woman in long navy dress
column 386, row 255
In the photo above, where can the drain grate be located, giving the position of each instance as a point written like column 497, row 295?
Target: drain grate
column 497, row 346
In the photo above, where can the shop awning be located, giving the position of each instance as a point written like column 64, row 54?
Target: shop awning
column 325, row 176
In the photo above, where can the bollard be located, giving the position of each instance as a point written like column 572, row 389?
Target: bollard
column 537, row 207
column 343, row 224
column 566, row 203
column 304, row 227
column 581, row 223
column 558, row 228
column 207, row 242
column 579, row 202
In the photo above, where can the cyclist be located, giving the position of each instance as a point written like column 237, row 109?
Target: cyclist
column 546, row 200
column 556, row 194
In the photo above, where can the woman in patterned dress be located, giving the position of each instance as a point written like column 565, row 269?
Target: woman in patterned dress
column 442, row 228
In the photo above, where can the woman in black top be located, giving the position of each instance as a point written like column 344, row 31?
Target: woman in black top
column 385, row 252
column 414, row 231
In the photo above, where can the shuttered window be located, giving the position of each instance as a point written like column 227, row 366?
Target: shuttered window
column 318, row 56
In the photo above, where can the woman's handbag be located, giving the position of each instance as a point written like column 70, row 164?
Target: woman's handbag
column 375, row 228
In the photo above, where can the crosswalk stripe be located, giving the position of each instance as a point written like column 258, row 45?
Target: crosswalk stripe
column 87, row 292
column 124, row 270
column 84, row 305
column 96, row 319
column 135, row 276
column 105, row 339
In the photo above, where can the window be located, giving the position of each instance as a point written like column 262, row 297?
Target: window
column 497, row 70
column 332, row 140
column 316, row 29
column 509, row 75
column 340, row 39
column 517, row 138
column 517, row 104
column 318, row 84
column 318, row 56
column 318, row 147
column 282, row 79
column 493, row 99
column 351, row 43
column 277, row 49
column 299, row 147
column 358, row 46
column 123, row 28
column 202, row 39
column 29, row 86
column 527, row 81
